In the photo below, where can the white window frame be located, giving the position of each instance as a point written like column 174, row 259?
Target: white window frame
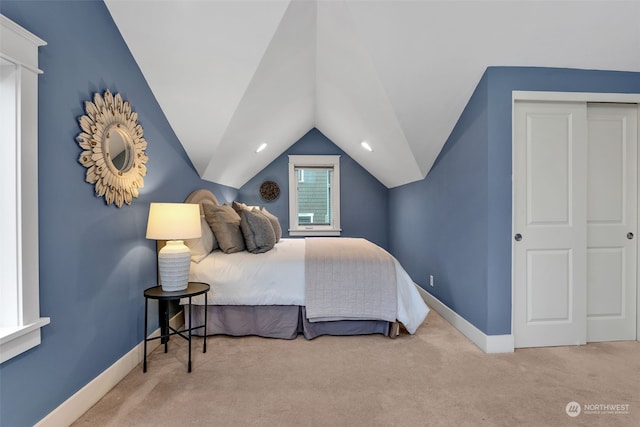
column 300, row 161
column 20, row 329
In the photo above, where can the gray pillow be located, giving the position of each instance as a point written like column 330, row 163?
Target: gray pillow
column 275, row 223
column 225, row 223
column 257, row 230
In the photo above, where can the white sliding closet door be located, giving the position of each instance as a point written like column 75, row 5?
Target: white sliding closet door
column 550, row 200
column 611, row 222
column 575, row 219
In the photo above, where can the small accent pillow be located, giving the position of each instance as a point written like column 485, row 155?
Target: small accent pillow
column 239, row 207
column 275, row 223
column 202, row 246
column 257, row 230
column 225, row 223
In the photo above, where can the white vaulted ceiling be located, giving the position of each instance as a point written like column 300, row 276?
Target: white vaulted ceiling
column 230, row 75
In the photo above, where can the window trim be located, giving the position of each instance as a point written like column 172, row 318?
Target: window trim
column 20, row 47
column 301, row 161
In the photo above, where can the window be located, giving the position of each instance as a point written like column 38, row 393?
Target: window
column 20, row 320
column 314, row 195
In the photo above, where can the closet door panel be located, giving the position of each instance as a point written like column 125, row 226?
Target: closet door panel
column 549, row 256
column 611, row 216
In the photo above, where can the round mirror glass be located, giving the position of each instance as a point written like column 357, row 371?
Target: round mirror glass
column 119, row 148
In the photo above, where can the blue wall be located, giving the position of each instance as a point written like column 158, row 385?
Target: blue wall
column 438, row 226
column 94, row 259
column 456, row 223
column 363, row 199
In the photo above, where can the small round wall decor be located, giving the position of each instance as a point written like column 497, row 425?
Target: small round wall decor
column 269, row 191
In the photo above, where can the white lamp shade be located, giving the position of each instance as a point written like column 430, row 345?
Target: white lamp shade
column 173, row 221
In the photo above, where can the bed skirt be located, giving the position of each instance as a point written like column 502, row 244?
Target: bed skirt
column 275, row 321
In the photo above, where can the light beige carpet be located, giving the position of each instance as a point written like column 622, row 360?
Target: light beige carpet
column 434, row 378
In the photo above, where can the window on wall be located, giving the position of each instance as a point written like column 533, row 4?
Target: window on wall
column 314, row 195
column 20, row 320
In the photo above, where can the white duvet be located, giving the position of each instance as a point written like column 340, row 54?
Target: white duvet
column 276, row 277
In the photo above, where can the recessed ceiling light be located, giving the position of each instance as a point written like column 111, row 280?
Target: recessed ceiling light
column 261, row 147
column 366, row 146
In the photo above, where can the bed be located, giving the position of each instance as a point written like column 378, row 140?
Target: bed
column 283, row 293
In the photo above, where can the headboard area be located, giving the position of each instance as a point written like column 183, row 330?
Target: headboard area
column 201, row 195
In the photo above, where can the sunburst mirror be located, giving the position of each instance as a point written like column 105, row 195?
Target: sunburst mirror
column 114, row 148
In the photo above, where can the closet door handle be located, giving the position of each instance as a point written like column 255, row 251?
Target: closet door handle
column 630, row 236
column 518, row 237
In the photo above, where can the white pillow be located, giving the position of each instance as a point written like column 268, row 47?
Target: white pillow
column 202, row 246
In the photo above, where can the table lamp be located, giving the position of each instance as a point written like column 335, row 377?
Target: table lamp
column 174, row 222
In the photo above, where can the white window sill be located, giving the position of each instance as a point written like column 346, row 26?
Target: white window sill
column 300, row 233
column 16, row 340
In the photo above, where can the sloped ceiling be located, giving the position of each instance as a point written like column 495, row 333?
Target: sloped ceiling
column 230, row 75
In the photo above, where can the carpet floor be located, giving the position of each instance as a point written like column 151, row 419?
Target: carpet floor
column 433, row 378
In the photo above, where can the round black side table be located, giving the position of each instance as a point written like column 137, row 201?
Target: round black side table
column 156, row 292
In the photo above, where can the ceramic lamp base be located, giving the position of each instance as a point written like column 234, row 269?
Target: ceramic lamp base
column 174, row 260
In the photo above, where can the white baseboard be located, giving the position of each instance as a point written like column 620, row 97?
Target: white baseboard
column 487, row 343
column 73, row 408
